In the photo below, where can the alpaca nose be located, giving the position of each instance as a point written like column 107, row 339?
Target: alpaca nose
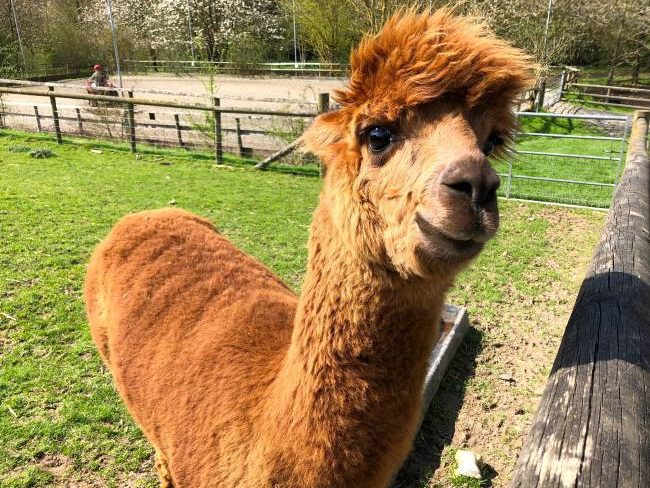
column 471, row 177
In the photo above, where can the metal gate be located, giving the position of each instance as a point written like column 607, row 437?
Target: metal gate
column 567, row 159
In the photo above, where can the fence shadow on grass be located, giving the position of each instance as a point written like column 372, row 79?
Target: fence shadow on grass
column 438, row 426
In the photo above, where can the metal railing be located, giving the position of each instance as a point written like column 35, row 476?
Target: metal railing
column 581, row 169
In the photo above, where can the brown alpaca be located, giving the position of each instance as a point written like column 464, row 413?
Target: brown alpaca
column 239, row 383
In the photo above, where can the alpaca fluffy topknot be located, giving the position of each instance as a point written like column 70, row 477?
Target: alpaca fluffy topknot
column 418, row 58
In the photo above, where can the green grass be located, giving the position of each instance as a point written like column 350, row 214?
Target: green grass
column 55, row 397
column 60, row 418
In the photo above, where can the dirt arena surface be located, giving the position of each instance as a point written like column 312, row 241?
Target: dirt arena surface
column 233, row 90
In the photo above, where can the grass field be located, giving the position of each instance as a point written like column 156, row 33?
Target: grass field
column 61, row 422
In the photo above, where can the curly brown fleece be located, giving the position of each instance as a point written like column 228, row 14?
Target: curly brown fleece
column 239, row 383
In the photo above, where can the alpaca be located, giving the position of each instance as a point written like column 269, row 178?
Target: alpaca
column 239, row 383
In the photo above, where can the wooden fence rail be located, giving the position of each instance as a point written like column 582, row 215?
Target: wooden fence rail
column 592, row 427
column 609, row 95
column 129, row 103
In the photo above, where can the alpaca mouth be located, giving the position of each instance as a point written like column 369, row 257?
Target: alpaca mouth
column 444, row 246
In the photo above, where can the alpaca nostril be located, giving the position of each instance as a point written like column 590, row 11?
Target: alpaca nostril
column 492, row 184
column 461, row 187
column 476, row 182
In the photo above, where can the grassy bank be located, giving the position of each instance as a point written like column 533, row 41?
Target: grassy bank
column 61, row 422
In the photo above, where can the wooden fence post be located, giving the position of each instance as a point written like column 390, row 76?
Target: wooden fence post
column 539, row 105
column 323, row 106
column 323, row 102
column 131, row 116
column 562, row 84
column 55, row 115
column 177, row 123
column 591, row 427
column 240, row 144
column 38, row 119
column 79, row 122
column 218, row 146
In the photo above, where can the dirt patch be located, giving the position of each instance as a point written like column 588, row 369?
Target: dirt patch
column 55, row 464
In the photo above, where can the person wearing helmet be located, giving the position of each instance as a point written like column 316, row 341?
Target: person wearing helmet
column 98, row 78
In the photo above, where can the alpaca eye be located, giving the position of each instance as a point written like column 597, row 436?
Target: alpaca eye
column 492, row 143
column 379, row 137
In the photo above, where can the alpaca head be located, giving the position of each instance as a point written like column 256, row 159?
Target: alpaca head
column 408, row 181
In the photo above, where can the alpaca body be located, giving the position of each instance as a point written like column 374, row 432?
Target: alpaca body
column 239, row 383
column 226, row 328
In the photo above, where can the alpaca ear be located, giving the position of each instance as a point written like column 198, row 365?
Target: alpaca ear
column 325, row 137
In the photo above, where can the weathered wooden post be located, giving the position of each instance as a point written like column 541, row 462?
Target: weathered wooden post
column 539, row 105
column 79, row 121
column 38, row 119
column 218, row 146
column 55, row 115
column 592, row 426
column 562, row 84
column 131, row 118
column 323, row 106
column 177, row 123
column 240, row 145
column 323, row 102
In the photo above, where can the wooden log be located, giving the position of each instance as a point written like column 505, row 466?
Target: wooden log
column 218, row 144
column 277, row 155
column 38, row 119
column 131, row 122
column 592, row 427
column 55, row 115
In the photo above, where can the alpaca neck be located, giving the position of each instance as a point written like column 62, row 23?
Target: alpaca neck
column 359, row 351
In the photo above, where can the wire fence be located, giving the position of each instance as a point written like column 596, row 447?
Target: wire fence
column 558, row 158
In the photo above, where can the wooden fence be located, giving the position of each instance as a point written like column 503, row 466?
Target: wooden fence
column 128, row 104
column 592, row 427
column 608, row 96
